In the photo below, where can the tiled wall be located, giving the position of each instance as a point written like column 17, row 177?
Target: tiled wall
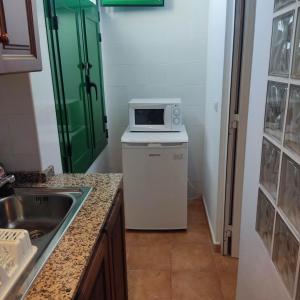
column 44, row 105
column 156, row 52
column 18, row 137
column 28, row 129
column 214, row 92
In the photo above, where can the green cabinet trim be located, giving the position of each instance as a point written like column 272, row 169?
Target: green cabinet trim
column 75, row 56
column 132, row 2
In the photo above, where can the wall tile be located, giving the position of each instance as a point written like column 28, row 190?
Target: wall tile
column 15, row 94
column 5, row 136
column 152, row 53
column 186, row 74
column 24, row 139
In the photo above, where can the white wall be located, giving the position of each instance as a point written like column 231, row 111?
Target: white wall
column 19, row 149
column 213, row 105
column 156, row 52
column 100, row 164
column 28, row 128
column 257, row 276
column 44, row 105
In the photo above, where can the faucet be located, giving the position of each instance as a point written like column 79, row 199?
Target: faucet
column 7, row 179
column 4, row 181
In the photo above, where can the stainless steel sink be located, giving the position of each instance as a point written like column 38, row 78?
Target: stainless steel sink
column 40, row 214
column 46, row 213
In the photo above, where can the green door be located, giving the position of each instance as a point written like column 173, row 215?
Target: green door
column 70, row 49
column 94, row 82
column 75, row 54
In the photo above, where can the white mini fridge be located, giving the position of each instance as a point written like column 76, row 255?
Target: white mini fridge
column 155, row 166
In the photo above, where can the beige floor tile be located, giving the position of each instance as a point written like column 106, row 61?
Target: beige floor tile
column 149, row 258
column 196, row 217
column 228, row 286
column 192, row 257
column 197, row 272
column 196, row 204
column 198, row 235
column 227, row 271
column 226, row 264
column 144, row 238
column 188, row 285
column 149, row 285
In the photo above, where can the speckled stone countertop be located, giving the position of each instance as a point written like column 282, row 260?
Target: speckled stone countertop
column 62, row 272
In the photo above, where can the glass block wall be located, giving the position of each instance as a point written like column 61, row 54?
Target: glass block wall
column 278, row 205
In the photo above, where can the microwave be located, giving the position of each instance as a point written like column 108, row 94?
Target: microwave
column 155, row 115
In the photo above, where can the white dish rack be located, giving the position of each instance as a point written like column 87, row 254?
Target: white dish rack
column 16, row 252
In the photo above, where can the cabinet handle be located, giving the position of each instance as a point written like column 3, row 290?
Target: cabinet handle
column 4, row 38
column 93, row 85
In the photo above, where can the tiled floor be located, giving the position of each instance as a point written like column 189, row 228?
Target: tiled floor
column 179, row 265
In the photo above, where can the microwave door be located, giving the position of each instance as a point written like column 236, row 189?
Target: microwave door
column 149, row 119
column 150, row 116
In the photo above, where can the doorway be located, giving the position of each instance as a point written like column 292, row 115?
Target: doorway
column 236, row 111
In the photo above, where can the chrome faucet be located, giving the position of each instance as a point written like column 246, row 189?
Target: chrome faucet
column 5, row 179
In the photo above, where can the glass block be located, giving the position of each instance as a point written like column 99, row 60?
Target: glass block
column 296, row 54
column 281, row 44
column 281, row 3
column 285, row 253
column 265, row 219
column 292, row 129
column 275, row 109
column 269, row 168
column 289, row 191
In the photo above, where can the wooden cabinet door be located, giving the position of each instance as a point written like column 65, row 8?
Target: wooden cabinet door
column 96, row 283
column 19, row 39
column 115, row 229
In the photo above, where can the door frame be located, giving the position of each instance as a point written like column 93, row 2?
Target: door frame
column 236, row 92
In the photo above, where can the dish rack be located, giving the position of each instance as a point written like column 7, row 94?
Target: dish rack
column 16, row 252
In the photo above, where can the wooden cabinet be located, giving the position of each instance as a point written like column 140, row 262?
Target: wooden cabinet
column 115, row 230
column 96, row 284
column 19, row 39
column 106, row 275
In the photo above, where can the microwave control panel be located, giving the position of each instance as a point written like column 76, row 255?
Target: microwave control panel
column 176, row 116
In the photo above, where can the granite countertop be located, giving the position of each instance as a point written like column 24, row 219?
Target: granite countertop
column 62, row 272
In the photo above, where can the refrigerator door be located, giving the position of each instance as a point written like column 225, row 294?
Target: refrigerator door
column 155, row 186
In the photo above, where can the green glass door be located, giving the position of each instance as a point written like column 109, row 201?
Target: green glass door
column 94, row 82
column 71, row 56
column 75, row 55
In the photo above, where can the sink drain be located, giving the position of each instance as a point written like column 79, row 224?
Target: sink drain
column 35, row 234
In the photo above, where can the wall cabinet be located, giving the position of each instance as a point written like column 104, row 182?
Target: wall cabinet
column 19, row 39
column 106, row 275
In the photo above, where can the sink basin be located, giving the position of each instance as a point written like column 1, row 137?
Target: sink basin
column 37, row 214
column 46, row 213
column 40, row 214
